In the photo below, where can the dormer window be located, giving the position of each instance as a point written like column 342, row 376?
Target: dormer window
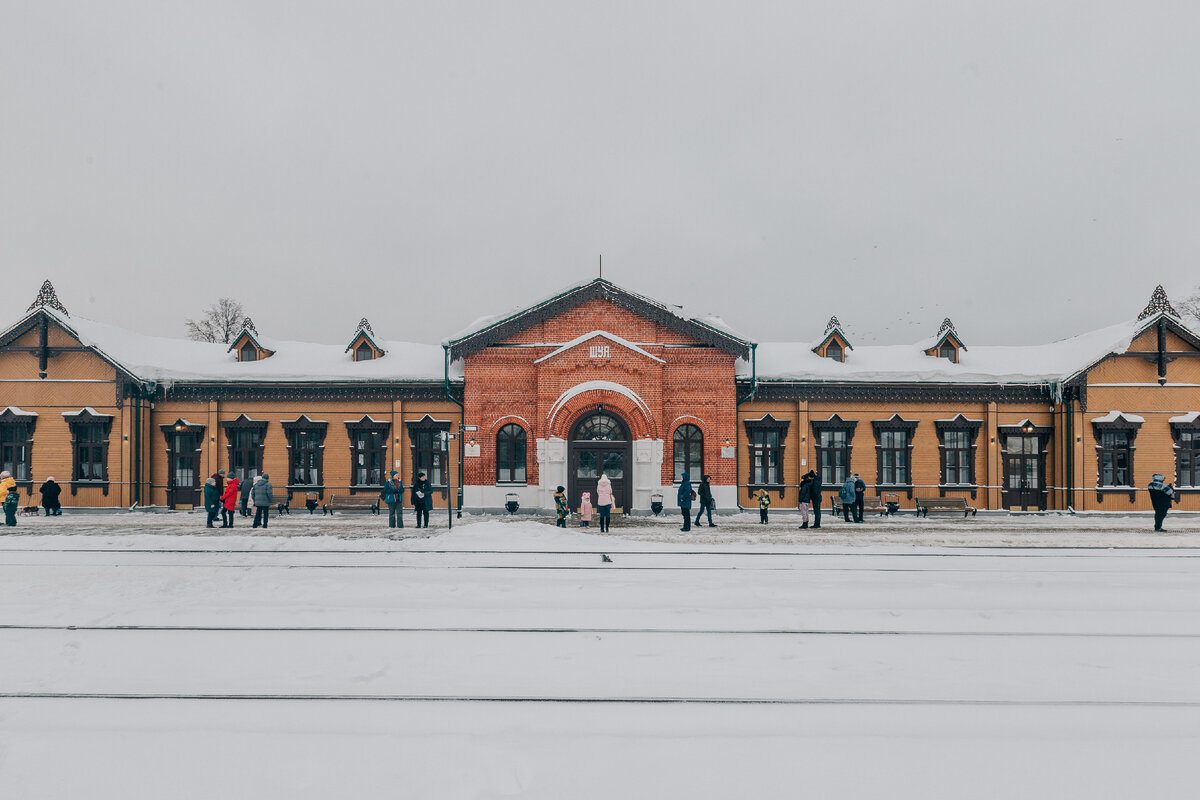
column 363, row 346
column 947, row 344
column 835, row 344
column 247, row 346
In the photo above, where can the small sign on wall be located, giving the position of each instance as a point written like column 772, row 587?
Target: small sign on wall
column 728, row 452
column 471, row 450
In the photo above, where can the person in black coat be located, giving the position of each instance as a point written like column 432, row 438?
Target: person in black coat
column 50, row 491
column 706, row 500
column 805, row 497
column 1161, row 496
column 421, row 495
column 817, row 487
column 860, row 491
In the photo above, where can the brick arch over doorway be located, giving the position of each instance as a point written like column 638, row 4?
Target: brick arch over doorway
column 574, row 404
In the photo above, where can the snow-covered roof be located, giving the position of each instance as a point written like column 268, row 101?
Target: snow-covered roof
column 1020, row 364
column 709, row 326
column 161, row 359
column 1117, row 416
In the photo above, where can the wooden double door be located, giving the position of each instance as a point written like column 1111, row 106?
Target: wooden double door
column 587, row 460
column 1024, row 472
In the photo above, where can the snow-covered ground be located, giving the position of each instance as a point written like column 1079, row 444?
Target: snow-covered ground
column 142, row 655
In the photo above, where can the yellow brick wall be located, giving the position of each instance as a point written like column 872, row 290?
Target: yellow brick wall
column 800, row 451
column 336, row 464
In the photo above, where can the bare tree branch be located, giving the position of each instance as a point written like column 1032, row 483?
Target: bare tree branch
column 221, row 322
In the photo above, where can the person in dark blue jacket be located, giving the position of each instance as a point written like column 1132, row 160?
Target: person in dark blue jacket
column 685, row 502
column 860, row 492
column 392, row 495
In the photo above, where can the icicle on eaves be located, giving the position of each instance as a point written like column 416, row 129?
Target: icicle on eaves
column 1158, row 303
column 47, row 298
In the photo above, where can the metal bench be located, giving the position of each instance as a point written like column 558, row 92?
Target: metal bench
column 889, row 503
column 282, row 502
column 953, row 505
column 352, row 502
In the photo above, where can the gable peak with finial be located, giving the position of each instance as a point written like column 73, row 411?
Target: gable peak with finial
column 1158, row 304
column 47, row 298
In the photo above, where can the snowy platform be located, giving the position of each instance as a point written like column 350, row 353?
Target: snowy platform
column 995, row 657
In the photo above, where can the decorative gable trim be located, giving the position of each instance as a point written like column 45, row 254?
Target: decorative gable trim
column 598, row 289
column 605, row 334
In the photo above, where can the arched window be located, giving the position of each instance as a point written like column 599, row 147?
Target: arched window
column 949, row 352
column 510, row 454
column 364, row 352
column 600, row 427
column 248, row 353
column 834, row 351
column 689, row 452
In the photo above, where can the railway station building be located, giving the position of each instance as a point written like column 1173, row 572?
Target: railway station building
column 597, row 378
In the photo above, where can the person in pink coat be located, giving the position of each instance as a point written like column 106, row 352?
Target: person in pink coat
column 585, row 510
column 604, row 500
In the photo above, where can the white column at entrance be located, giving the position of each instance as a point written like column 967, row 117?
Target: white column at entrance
column 647, row 471
column 552, row 468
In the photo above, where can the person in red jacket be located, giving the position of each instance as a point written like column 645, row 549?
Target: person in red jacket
column 229, row 500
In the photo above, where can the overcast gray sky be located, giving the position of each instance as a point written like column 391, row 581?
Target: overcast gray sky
column 1029, row 169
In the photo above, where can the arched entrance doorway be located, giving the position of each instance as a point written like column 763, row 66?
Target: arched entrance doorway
column 599, row 442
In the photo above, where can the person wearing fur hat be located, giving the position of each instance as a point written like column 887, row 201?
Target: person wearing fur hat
column 50, row 491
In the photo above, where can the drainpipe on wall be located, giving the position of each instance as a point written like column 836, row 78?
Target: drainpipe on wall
column 737, row 437
column 1071, row 452
column 461, row 421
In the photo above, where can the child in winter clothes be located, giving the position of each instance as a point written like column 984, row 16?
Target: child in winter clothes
column 585, row 510
column 9, row 497
column 764, row 502
column 560, row 505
